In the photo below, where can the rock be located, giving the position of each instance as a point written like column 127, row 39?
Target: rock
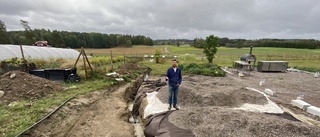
column 28, row 104
column 1, row 93
column 13, row 75
column 12, row 104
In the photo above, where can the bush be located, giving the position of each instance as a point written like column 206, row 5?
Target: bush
column 207, row 69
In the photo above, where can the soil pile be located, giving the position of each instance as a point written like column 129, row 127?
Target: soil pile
column 215, row 121
column 128, row 68
column 22, row 85
column 198, row 98
column 207, row 110
column 202, row 91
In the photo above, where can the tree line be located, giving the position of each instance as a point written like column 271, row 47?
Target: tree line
column 173, row 42
column 69, row 39
column 281, row 43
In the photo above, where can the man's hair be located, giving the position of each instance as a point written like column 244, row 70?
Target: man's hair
column 174, row 60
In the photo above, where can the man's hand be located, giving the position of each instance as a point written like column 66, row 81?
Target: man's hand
column 167, row 78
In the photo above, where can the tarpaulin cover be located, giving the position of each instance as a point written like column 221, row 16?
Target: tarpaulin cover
column 159, row 126
column 154, row 105
column 270, row 107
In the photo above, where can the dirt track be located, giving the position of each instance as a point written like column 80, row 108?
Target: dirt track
column 101, row 113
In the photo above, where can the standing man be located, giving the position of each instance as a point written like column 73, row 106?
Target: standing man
column 175, row 79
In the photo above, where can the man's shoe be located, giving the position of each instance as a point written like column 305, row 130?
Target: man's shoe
column 169, row 108
column 176, row 107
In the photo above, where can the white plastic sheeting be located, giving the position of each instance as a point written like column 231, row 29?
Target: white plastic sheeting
column 270, row 107
column 154, row 105
column 34, row 52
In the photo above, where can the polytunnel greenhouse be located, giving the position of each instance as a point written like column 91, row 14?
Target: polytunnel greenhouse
column 34, row 52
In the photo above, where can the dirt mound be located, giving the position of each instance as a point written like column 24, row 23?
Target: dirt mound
column 128, row 68
column 25, row 86
column 233, row 98
column 225, row 122
column 230, row 98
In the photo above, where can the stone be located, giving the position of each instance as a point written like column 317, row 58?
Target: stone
column 1, row 93
column 13, row 75
column 12, row 104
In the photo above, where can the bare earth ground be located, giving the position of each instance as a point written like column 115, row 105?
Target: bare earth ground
column 206, row 104
column 101, row 113
column 26, row 86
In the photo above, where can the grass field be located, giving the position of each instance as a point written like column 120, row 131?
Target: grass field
column 135, row 50
column 301, row 58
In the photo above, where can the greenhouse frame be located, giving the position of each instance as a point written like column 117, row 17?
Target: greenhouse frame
column 35, row 52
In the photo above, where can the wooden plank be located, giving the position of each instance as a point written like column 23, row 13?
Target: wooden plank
column 301, row 117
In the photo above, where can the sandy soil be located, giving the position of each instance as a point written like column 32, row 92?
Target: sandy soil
column 101, row 113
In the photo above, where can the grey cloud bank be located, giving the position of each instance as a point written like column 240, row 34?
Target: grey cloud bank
column 162, row 19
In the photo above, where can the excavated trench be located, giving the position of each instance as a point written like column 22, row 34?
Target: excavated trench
column 99, row 113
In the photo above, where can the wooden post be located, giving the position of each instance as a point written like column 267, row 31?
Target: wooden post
column 111, row 62
column 75, row 64
column 124, row 58
column 84, row 63
column 85, row 55
column 22, row 53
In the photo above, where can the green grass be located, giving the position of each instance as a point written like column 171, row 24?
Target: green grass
column 16, row 118
column 306, row 59
column 301, row 58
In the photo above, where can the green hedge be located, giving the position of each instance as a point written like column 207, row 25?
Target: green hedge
column 202, row 69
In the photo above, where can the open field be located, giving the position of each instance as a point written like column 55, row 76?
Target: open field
column 140, row 50
column 300, row 58
column 308, row 58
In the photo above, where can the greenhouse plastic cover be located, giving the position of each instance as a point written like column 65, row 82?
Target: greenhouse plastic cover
column 34, row 52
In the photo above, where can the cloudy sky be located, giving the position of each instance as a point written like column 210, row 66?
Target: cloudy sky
column 162, row 19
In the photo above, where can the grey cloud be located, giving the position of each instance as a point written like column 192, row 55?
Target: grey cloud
column 158, row 19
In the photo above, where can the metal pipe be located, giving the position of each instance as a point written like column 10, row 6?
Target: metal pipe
column 251, row 50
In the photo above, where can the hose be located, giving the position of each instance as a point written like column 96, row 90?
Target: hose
column 46, row 116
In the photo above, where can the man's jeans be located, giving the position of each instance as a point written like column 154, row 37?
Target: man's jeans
column 173, row 94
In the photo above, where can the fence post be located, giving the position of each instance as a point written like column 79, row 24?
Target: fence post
column 84, row 63
column 124, row 58
column 111, row 62
column 22, row 54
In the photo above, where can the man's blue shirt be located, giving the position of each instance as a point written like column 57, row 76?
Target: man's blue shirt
column 175, row 78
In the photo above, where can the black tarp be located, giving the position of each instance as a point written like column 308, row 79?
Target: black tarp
column 158, row 125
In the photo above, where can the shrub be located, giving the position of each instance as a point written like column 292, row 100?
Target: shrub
column 207, row 69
